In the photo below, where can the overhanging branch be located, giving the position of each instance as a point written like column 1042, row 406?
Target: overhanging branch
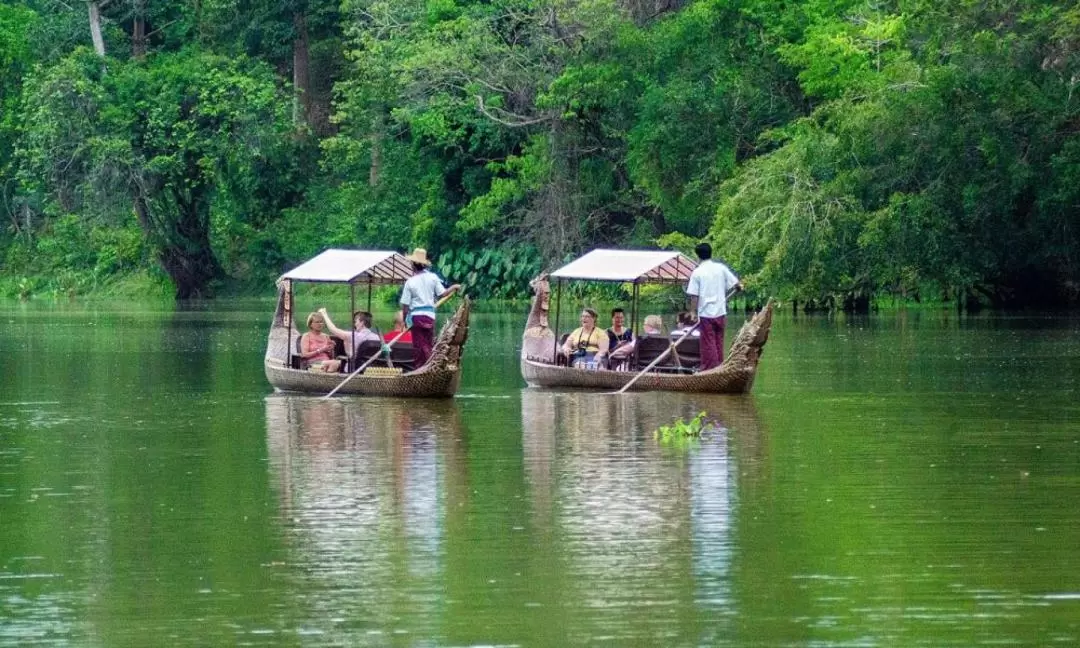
column 518, row 122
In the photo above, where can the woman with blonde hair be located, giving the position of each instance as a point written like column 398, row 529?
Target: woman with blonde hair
column 653, row 325
column 316, row 347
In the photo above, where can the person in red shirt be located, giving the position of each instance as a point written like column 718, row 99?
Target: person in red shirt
column 399, row 326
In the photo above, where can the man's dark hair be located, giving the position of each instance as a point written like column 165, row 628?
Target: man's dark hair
column 617, row 310
column 704, row 251
column 417, row 267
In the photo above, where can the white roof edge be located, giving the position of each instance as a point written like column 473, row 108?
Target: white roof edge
column 641, row 266
column 337, row 265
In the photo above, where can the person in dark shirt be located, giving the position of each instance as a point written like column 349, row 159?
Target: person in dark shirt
column 620, row 339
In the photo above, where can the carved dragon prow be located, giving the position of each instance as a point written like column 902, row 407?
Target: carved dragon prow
column 750, row 341
column 538, row 341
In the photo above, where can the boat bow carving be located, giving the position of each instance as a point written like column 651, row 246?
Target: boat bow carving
column 538, row 342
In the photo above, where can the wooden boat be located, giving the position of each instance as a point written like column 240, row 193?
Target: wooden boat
column 538, row 351
column 441, row 375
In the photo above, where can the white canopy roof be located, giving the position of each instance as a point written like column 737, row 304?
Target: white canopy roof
column 637, row 266
column 353, row 266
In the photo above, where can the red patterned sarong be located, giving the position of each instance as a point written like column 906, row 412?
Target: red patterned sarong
column 423, row 338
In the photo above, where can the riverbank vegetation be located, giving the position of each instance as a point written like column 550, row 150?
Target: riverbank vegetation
column 835, row 151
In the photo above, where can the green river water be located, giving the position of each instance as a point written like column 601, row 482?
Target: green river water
column 902, row 479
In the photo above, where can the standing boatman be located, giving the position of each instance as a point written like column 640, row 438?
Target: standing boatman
column 418, row 298
column 708, row 289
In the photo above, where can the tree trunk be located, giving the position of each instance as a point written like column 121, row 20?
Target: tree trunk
column 191, row 271
column 138, row 30
column 95, row 27
column 301, row 71
column 376, row 149
column 183, row 245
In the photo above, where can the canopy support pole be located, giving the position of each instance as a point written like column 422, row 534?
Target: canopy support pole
column 634, row 312
column 558, row 306
column 352, row 318
column 288, row 322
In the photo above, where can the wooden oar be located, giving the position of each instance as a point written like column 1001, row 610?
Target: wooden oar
column 671, row 347
column 376, row 355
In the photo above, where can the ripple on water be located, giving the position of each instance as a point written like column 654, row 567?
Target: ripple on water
column 39, row 620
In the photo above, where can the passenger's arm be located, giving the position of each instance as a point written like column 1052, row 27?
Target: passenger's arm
column 344, row 336
column 602, row 346
column 567, row 348
column 305, row 347
column 624, row 347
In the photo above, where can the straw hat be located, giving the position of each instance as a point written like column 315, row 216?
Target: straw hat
column 419, row 255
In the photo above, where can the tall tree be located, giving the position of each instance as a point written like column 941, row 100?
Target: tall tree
column 16, row 59
column 94, row 9
column 168, row 136
column 300, row 38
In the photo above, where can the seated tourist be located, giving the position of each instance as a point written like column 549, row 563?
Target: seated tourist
column 653, row 325
column 317, row 348
column 586, row 344
column 398, row 330
column 353, row 339
column 620, row 338
column 686, row 323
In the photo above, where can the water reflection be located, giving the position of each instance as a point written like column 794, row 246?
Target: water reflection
column 643, row 527
column 363, row 500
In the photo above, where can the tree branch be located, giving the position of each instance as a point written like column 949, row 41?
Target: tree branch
column 520, row 121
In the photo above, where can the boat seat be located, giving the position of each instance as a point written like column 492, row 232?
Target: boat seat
column 402, row 356
column 560, row 359
column 688, row 354
column 364, row 353
column 686, row 358
column 295, row 361
column 649, row 348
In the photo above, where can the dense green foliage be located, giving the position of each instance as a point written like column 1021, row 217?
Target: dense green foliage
column 834, row 151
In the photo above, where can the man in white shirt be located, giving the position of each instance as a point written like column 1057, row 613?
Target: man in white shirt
column 419, row 296
column 360, row 333
column 708, row 289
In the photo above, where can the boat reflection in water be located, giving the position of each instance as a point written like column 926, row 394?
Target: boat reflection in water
column 467, row 522
column 647, row 528
column 362, row 496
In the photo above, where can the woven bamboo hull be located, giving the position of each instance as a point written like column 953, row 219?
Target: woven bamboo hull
column 441, row 383
column 716, row 381
column 735, row 376
column 439, row 378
